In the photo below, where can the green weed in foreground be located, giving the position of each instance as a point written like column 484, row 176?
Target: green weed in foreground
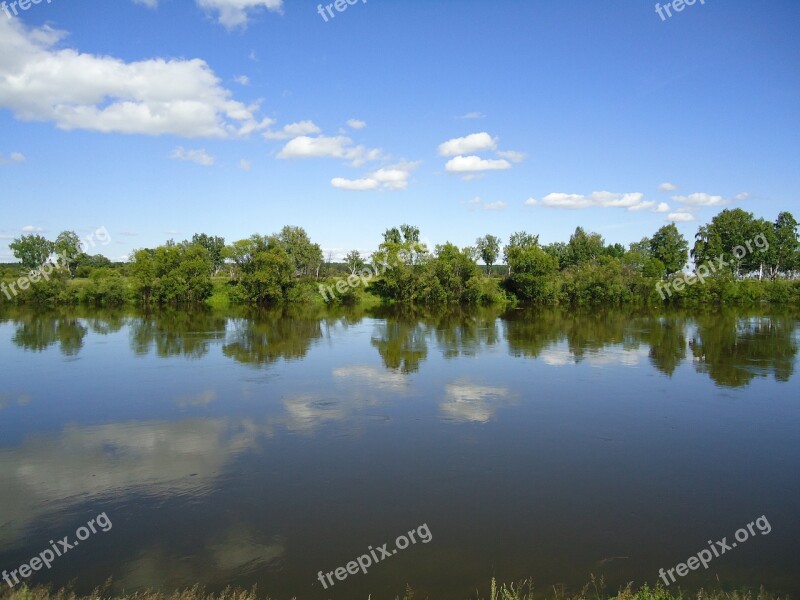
column 518, row 591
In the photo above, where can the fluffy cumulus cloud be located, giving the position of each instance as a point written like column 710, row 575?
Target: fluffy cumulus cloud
column 356, row 124
column 293, row 130
column 393, row 177
column 475, row 164
column 75, row 90
column 700, row 199
column 476, row 142
column 667, row 187
column 680, row 217
column 236, row 13
column 201, row 157
column 322, row 146
column 633, row 201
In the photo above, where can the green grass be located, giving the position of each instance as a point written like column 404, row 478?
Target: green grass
column 519, row 591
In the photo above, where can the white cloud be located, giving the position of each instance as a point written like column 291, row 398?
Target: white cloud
column 474, row 164
column 740, row 197
column 101, row 93
column 371, row 377
column 245, row 165
column 32, row 229
column 700, row 199
column 475, row 201
column 236, row 13
column 499, row 205
column 667, row 187
column 393, row 177
column 356, row 124
column 512, row 155
column 328, row 147
column 476, row 142
column 147, row 3
column 680, row 217
column 293, row 130
column 14, row 157
column 354, row 185
column 201, row 157
column 472, row 115
column 470, row 403
column 632, row 201
column 242, row 79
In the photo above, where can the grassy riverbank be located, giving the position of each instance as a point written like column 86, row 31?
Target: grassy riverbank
column 496, row 592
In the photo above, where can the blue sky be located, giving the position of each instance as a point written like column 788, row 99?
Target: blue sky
column 157, row 119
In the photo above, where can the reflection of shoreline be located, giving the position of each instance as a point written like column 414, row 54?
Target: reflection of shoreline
column 731, row 347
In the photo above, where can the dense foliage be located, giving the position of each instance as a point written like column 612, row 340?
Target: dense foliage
column 739, row 259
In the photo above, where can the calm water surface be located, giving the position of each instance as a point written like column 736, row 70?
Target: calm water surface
column 261, row 448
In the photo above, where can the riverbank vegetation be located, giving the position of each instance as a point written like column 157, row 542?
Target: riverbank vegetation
column 741, row 259
column 519, row 591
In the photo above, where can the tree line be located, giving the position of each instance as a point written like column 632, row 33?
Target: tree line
column 288, row 266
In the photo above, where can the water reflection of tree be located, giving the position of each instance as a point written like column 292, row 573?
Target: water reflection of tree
column 401, row 339
column 462, row 332
column 531, row 332
column 734, row 349
column 265, row 336
column 37, row 332
column 176, row 332
column 666, row 337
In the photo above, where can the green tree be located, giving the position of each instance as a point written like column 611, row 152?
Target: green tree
column 265, row 269
column 559, row 251
column 488, row 248
column 354, row 261
column 615, row 250
column 532, row 274
column 670, row 247
column 519, row 240
column 68, row 246
column 727, row 232
column 306, row 257
column 32, row 250
column 785, row 250
column 584, row 247
column 215, row 246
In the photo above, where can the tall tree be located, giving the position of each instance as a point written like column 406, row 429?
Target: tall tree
column 32, row 250
column 305, row 255
column 786, row 246
column 519, row 240
column 488, row 248
column 670, row 247
column 727, row 232
column 584, row 247
column 68, row 246
column 215, row 246
column 354, row 261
